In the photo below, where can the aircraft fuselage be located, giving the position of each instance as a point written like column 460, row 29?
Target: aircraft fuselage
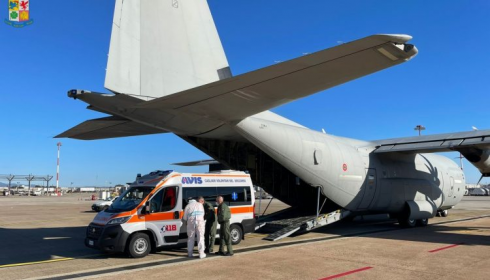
column 352, row 176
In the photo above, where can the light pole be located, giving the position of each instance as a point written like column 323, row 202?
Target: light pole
column 419, row 128
column 58, row 167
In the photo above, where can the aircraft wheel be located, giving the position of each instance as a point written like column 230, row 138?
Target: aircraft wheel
column 422, row 222
column 438, row 214
column 407, row 222
column 444, row 213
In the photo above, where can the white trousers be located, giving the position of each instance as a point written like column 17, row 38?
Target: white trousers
column 195, row 228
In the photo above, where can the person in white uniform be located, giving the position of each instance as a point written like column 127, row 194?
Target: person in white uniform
column 194, row 215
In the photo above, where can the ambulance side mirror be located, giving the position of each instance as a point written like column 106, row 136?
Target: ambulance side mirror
column 146, row 208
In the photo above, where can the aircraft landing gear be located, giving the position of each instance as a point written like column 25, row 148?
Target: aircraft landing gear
column 422, row 222
column 442, row 213
column 405, row 221
column 409, row 223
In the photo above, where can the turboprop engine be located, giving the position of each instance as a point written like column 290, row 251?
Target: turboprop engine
column 480, row 158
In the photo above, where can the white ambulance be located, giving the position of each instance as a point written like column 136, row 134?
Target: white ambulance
column 149, row 214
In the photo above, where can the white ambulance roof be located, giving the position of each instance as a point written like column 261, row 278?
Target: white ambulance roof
column 155, row 177
column 220, row 172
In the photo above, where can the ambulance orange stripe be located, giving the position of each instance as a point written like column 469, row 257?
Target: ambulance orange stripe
column 162, row 216
column 241, row 210
column 163, row 182
column 170, row 215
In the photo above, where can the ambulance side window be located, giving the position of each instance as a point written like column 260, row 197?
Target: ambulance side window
column 156, row 202
column 209, row 194
column 165, row 200
column 236, row 196
column 169, row 199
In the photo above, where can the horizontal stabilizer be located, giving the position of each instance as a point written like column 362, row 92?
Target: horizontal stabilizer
column 109, row 127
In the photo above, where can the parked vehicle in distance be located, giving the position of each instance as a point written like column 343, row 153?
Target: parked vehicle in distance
column 102, row 205
column 477, row 192
column 258, row 193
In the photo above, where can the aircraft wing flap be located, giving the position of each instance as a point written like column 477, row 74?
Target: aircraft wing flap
column 108, row 127
column 435, row 143
column 236, row 98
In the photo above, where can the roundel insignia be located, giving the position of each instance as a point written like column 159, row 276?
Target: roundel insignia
column 344, row 167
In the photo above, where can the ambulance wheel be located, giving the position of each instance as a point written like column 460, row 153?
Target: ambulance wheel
column 422, row 222
column 444, row 213
column 236, row 234
column 139, row 246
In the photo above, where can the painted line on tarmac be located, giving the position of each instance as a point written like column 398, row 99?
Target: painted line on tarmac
column 444, row 248
column 347, row 273
column 145, row 266
column 58, row 259
column 37, row 262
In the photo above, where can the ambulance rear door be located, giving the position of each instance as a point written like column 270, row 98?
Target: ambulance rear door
column 164, row 218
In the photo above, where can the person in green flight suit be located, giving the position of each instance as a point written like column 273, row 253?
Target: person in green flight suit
column 211, row 224
column 224, row 216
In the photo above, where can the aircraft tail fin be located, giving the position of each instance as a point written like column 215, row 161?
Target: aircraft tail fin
column 160, row 47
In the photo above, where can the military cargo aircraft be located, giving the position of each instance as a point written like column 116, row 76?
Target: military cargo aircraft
column 167, row 73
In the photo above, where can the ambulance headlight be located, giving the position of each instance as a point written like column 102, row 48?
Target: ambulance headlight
column 118, row 221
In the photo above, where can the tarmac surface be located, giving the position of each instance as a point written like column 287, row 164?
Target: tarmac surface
column 42, row 238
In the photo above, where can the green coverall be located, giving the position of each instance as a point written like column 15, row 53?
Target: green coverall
column 224, row 216
column 211, row 224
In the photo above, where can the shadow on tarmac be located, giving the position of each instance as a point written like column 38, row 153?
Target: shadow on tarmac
column 41, row 244
column 32, row 245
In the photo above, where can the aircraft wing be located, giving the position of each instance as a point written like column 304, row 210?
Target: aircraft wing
column 197, row 162
column 461, row 141
column 236, row 98
column 108, row 127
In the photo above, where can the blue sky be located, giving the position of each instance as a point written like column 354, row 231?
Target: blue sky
column 445, row 87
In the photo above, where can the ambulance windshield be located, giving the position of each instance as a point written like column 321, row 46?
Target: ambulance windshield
column 131, row 198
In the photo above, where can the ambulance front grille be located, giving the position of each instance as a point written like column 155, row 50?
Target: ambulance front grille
column 94, row 232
